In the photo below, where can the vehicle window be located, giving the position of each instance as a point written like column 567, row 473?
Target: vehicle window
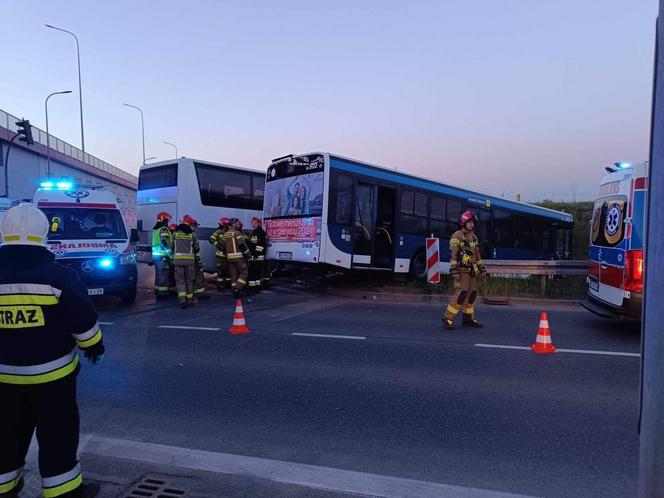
column 84, row 223
column 407, row 200
column 159, row 177
column 421, row 205
column 259, row 192
column 503, row 228
column 341, row 199
column 223, row 187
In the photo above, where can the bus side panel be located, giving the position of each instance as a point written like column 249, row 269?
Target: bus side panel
column 407, row 245
column 338, row 245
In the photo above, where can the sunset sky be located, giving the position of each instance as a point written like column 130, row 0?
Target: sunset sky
column 508, row 96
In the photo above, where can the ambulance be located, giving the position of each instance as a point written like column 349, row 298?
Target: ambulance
column 88, row 234
column 617, row 234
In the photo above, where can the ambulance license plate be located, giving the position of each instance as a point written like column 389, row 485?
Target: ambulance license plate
column 593, row 284
column 285, row 255
column 95, row 292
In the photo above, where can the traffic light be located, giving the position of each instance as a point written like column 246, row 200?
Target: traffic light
column 25, row 131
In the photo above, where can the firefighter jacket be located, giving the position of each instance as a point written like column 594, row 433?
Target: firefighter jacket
column 185, row 246
column 45, row 313
column 235, row 246
column 465, row 253
column 161, row 242
column 257, row 242
column 216, row 239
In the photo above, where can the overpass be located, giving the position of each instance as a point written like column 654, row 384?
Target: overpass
column 27, row 166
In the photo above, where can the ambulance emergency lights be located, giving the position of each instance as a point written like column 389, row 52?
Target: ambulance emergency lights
column 56, row 185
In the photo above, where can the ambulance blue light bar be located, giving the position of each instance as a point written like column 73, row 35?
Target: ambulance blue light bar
column 56, row 185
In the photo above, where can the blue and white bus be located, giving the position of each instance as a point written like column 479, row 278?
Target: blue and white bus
column 322, row 208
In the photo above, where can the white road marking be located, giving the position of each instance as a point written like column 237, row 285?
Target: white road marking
column 106, row 323
column 278, row 471
column 576, row 351
column 184, row 327
column 331, row 336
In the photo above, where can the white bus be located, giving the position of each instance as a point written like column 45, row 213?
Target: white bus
column 205, row 190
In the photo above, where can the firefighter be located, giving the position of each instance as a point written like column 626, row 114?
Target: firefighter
column 221, row 264
column 200, row 293
column 256, row 245
column 161, row 254
column 45, row 315
column 172, row 288
column 465, row 264
column 237, row 254
column 185, row 247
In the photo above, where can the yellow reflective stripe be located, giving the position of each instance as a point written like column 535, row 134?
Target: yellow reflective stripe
column 6, row 488
column 9, row 299
column 452, row 310
column 92, row 341
column 56, row 374
column 184, row 256
column 182, row 294
column 11, row 238
column 454, row 242
column 34, row 238
column 219, row 254
column 469, row 310
column 241, row 281
column 63, row 488
column 260, row 248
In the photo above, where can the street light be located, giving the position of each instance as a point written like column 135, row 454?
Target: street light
column 142, row 126
column 173, row 145
column 48, row 136
column 80, row 91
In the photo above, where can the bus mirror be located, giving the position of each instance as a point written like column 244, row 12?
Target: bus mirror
column 133, row 237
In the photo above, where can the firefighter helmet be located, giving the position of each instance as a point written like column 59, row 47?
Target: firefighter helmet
column 224, row 221
column 172, row 227
column 466, row 217
column 24, row 225
column 164, row 216
column 188, row 220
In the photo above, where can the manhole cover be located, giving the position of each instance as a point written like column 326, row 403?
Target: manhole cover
column 155, row 488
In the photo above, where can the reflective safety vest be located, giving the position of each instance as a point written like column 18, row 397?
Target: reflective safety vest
column 185, row 248
column 161, row 243
column 45, row 313
column 257, row 243
column 235, row 246
column 216, row 239
column 465, row 253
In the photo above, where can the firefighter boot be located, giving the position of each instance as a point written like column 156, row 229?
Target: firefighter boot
column 448, row 324
column 469, row 321
column 89, row 490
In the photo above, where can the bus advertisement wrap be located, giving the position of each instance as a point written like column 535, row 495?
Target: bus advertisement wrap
column 293, row 229
column 300, row 195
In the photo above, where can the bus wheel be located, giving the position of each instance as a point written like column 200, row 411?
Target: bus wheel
column 418, row 265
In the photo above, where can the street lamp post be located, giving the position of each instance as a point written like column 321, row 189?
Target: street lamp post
column 80, row 91
column 48, row 136
column 142, row 126
column 174, row 146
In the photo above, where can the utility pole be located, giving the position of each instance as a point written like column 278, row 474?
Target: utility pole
column 651, row 451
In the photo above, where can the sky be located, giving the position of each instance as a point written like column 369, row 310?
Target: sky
column 511, row 96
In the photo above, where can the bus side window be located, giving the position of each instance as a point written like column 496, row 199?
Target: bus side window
column 341, row 199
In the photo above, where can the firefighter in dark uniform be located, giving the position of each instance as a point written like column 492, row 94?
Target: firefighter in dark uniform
column 465, row 265
column 172, row 288
column 237, row 254
column 256, row 245
column 185, row 247
column 200, row 293
column 45, row 316
column 221, row 264
column 161, row 255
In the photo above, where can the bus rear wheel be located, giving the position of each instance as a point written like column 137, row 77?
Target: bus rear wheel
column 418, row 265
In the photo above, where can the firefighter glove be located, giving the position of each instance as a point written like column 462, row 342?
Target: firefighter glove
column 95, row 354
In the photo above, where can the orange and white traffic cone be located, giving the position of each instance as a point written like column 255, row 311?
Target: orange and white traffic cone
column 543, row 342
column 239, row 325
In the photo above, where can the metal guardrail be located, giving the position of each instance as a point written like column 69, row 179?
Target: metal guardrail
column 8, row 121
column 545, row 269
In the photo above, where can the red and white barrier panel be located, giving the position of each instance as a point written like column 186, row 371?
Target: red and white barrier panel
column 433, row 261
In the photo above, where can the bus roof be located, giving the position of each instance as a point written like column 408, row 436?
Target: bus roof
column 472, row 196
column 199, row 161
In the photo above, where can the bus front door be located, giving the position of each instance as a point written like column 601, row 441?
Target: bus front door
column 365, row 227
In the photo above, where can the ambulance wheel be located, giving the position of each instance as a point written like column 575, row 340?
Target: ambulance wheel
column 418, row 265
column 128, row 297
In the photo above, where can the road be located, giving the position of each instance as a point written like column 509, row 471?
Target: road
column 392, row 394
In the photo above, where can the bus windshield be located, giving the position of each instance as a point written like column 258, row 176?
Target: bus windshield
column 84, row 223
column 294, row 189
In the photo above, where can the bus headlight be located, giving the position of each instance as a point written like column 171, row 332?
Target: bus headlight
column 128, row 259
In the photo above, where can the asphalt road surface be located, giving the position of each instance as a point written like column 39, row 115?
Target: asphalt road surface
column 377, row 388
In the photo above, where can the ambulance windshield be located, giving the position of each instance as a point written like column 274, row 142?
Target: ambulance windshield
column 84, row 223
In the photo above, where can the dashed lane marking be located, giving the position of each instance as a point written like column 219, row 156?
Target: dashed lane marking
column 331, row 336
column 185, row 327
column 575, row 351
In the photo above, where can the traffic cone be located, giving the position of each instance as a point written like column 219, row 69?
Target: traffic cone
column 543, row 342
column 239, row 325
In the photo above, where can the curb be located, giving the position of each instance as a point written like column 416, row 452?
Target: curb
column 403, row 297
